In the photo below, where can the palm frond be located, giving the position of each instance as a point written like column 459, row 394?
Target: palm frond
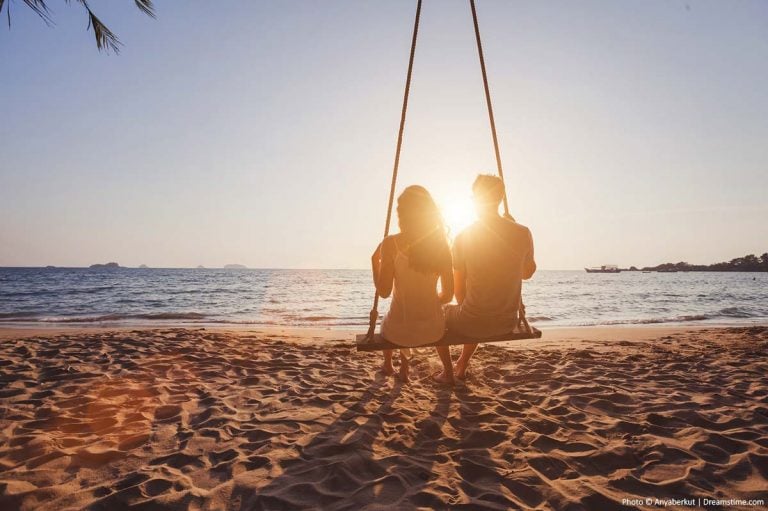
column 146, row 7
column 105, row 38
column 39, row 7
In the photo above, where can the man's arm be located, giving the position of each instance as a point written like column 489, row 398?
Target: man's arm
column 459, row 270
column 459, row 285
column 529, row 264
column 382, row 264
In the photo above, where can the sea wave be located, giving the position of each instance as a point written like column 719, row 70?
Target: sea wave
column 650, row 321
column 294, row 320
column 315, row 319
column 186, row 317
column 11, row 316
column 46, row 291
column 38, row 318
column 728, row 313
column 735, row 312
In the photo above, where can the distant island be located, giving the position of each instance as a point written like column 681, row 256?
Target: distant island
column 107, row 266
column 235, row 267
column 143, row 266
column 200, row 267
column 749, row 263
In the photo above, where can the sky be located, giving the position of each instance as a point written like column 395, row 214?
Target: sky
column 263, row 133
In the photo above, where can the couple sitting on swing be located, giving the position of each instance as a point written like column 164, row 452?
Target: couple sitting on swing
column 484, row 269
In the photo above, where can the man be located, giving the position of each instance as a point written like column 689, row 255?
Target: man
column 491, row 258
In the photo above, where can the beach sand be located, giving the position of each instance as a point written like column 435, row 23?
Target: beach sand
column 293, row 419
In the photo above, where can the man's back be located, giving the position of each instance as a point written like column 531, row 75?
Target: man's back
column 494, row 254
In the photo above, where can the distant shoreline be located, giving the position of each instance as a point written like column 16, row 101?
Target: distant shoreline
column 747, row 264
column 704, row 270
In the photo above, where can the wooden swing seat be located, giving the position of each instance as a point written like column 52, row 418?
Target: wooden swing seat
column 378, row 343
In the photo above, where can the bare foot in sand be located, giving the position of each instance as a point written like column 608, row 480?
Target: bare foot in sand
column 443, row 378
column 405, row 365
column 387, row 368
column 461, row 371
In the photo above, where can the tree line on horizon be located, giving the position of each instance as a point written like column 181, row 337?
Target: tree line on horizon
column 749, row 262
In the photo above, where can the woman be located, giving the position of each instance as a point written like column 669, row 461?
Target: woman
column 411, row 262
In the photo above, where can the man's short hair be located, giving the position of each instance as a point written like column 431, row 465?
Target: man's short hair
column 488, row 188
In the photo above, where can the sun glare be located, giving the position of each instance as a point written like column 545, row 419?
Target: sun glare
column 458, row 214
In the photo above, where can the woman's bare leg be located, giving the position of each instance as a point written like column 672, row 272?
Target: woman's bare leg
column 446, row 376
column 387, row 367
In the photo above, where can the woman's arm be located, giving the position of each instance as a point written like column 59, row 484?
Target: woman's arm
column 376, row 264
column 529, row 265
column 446, row 285
column 383, row 265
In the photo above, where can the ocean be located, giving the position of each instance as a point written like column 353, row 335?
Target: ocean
column 342, row 298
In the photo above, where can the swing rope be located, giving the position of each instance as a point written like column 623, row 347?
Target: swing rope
column 374, row 314
column 522, row 321
column 491, row 119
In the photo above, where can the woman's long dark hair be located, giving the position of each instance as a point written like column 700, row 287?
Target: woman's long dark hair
column 420, row 218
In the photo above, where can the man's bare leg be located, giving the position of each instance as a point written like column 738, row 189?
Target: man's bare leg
column 387, row 367
column 463, row 363
column 405, row 364
column 446, row 376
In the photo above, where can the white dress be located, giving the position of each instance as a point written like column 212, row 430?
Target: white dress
column 415, row 315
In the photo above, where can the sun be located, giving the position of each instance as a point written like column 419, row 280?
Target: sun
column 458, row 214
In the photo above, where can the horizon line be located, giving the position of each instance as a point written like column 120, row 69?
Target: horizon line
column 52, row 267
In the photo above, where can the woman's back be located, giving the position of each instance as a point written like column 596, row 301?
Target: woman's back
column 415, row 314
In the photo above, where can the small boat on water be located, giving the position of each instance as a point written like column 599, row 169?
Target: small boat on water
column 606, row 268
